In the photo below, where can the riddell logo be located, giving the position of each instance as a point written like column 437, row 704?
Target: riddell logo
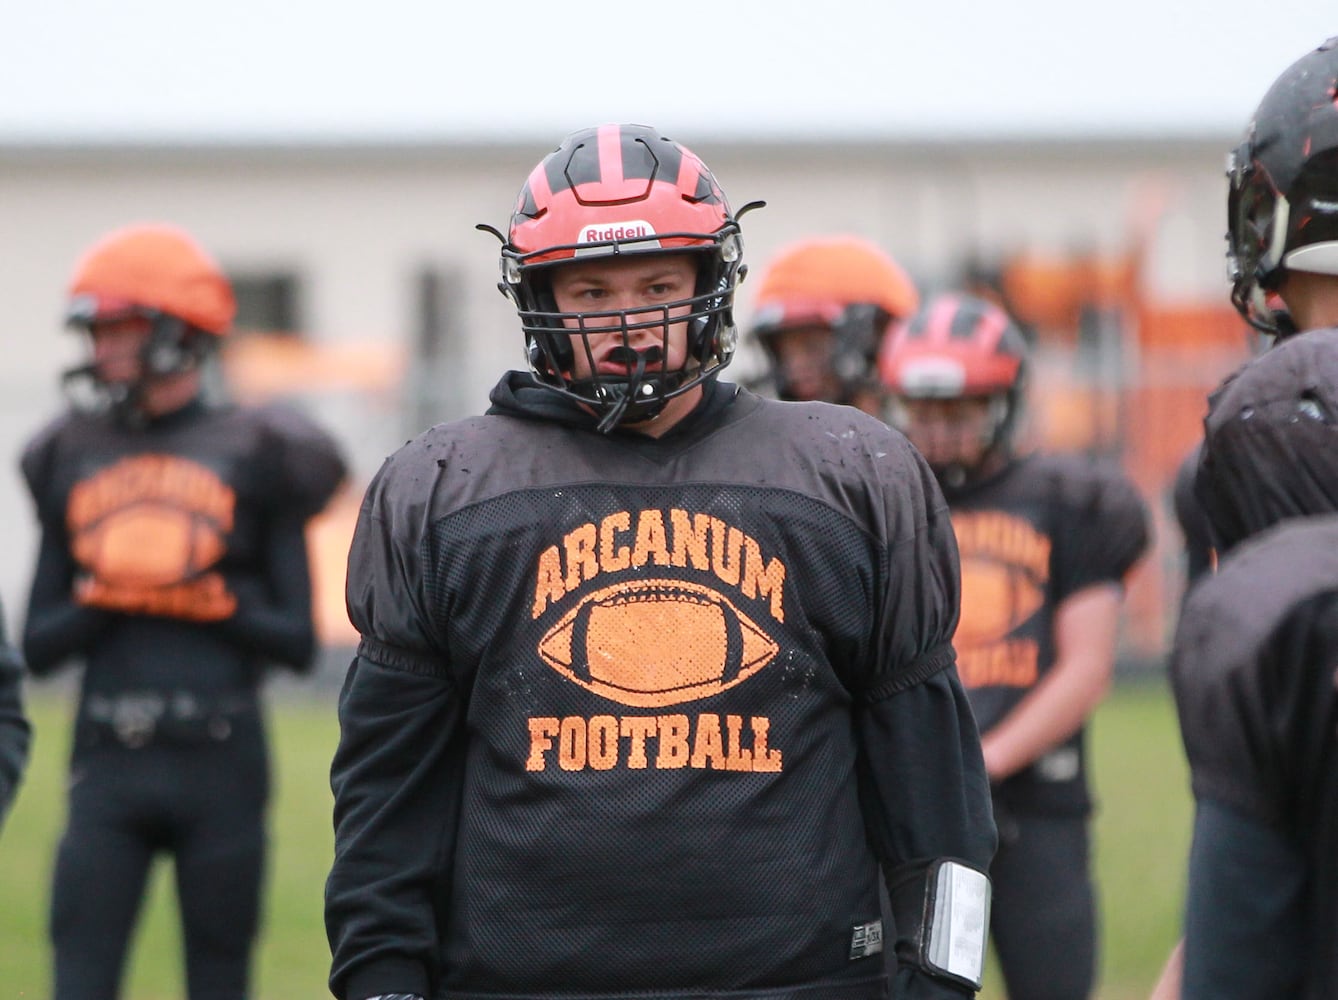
column 632, row 229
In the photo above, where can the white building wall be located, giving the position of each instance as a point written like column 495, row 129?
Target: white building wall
column 357, row 225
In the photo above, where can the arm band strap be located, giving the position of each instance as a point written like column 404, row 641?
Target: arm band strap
column 942, row 912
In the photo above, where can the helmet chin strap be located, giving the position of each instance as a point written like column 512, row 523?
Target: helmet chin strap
column 626, row 392
column 951, row 476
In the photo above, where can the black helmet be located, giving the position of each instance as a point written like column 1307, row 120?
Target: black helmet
column 1282, row 208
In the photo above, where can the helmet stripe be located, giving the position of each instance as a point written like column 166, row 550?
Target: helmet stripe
column 538, row 191
column 939, row 322
column 691, row 177
column 989, row 328
column 611, row 171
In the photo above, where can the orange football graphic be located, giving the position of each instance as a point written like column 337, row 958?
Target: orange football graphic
column 996, row 598
column 149, row 545
column 653, row 643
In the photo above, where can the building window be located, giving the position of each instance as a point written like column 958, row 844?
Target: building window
column 268, row 302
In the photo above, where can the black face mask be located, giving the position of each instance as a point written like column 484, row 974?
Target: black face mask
column 173, row 347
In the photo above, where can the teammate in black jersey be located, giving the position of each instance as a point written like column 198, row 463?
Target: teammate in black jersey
column 173, row 565
column 1256, row 687
column 1253, row 661
column 1281, row 176
column 655, row 674
column 1046, row 542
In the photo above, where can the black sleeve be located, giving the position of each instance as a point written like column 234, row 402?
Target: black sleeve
column 1192, row 518
column 273, row 616
column 308, row 463
column 56, row 628
column 396, row 779
column 924, row 790
column 1105, row 528
column 1244, row 908
column 15, row 732
column 919, row 586
column 923, row 787
column 1243, row 711
column 397, row 773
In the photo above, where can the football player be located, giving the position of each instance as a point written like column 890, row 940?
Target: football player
column 1046, row 543
column 821, row 310
column 655, row 674
column 15, row 730
column 1280, row 194
column 1253, row 659
column 173, row 566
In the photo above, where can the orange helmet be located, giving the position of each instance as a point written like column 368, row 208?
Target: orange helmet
column 844, row 283
column 151, row 268
column 157, row 274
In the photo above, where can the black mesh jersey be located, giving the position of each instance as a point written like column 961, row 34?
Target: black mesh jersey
column 1192, row 519
column 1042, row 529
column 621, row 705
column 172, row 555
column 1253, row 668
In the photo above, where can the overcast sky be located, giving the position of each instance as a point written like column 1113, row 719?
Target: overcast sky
column 278, row 70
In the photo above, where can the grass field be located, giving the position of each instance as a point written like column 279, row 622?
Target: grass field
column 1141, row 839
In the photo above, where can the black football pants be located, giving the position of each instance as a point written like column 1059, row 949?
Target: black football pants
column 202, row 803
column 1043, row 912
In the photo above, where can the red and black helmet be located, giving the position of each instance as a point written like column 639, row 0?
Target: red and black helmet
column 617, row 190
column 958, row 346
column 1282, row 205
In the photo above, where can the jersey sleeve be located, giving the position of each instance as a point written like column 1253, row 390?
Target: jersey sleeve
column 37, row 465
column 1192, row 518
column 918, row 599
column 922, row 782
column 397, row 772
column 1103, row 526
column 1243, row 711
column 56, row 628
column 307, row 463
column 390, row 569
column 273, row 615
